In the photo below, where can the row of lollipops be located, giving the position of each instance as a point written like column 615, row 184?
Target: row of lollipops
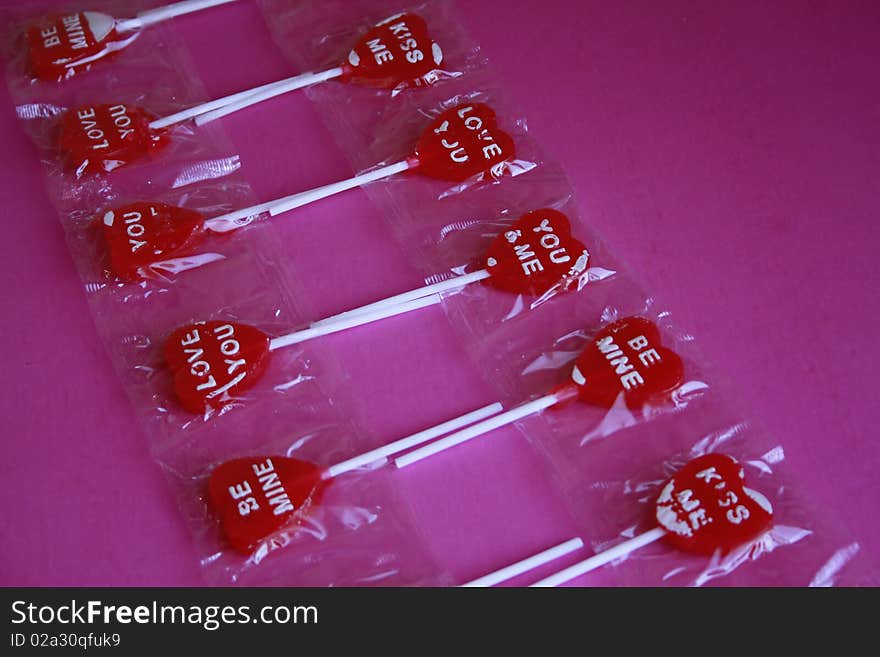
column 703, row 508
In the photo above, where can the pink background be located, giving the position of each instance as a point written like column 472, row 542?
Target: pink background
column 729, row 154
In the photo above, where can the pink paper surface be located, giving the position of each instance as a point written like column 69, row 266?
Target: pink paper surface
column 729, row 154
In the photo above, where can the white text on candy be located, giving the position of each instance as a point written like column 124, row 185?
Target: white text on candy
column 549, row 240
column 408, row 44
column 272, row 488
column 134, row 228
column 459, row 153
column 629, row 376
column 202, row 368
column 93, row 132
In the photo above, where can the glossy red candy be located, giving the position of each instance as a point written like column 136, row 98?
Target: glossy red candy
column 61, row 46
column 535, row 254
column 255, row 497
column 143, row 234
column 101, row 138
column 706, row 506
column 395, row 53
column 463, row 142
column 214, row 362
column 626, row 357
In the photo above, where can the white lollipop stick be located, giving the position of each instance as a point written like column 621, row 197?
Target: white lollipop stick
column 520, row 567
column 159, row 14
column 427, row 290
column 304, row 198
column 291, row 84
column 185, row 115
column 236, row 219
column 602, row 558
column 486, row 426
column 382, row 453
column 316, row 331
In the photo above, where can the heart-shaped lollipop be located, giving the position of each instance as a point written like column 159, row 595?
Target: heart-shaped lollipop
column 536, row 254
column 703, row 508
column 706, row 506
column 214, row 362
column 604, row 393
column 255, row 497
column 141, row 235
column 396, row 52
column 61, row 46
column 627, row 358
column 147, row 231
column 85, row 140
column 463, row 142
column 144, row 232
column 101, row 138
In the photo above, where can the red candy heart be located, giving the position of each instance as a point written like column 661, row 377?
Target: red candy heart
column 463, row 142
column 213, row 362
column 396, row 52
column 705, row 506
column 627, row 357
column 535, row 254
column 101, row 138
column 254, row 497
column 142, row 234
column 62, row 45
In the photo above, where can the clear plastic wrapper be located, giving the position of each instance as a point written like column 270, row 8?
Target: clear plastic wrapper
column 465, row 135
column 316, row 36
column 231, row 274
column 249, row 426
column 523, row 354
column 118, row 246
column 196, row 173
column 446, row 224
column 354, row 529
column 613, row 360
column 54, row 43
column 522, row 346
column 104, row 131
column 170, row 394
column 580, row 328
column 438, row 240
column 360, row 533
column 448, row 227
column 555, row 251
column 802, row 546
column 94, row 125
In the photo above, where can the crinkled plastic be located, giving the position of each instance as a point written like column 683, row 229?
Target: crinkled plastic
column 521, row 345
column 156, row 384
column 103, row 133
column 116, row 246
column 92, row 125
column 49, row 43
column 802, row 547
column 357, row 530
column 489, row 146
column 532, row 359
column 484, row 196
column 317, row 35
column 295, row 408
